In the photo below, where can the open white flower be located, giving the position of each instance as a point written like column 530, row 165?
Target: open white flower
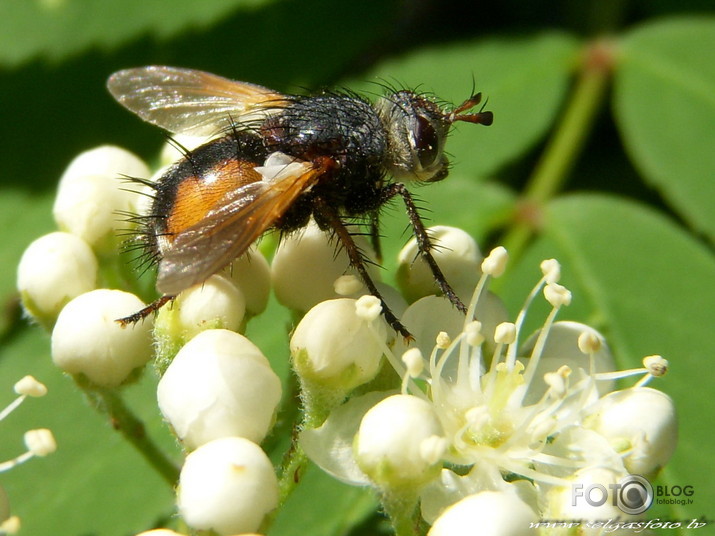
column 529, row 411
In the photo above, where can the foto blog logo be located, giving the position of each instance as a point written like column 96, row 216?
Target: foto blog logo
column 633, row 495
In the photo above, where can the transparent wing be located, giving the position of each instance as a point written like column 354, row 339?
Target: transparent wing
column 186, row 101
column 227, row 231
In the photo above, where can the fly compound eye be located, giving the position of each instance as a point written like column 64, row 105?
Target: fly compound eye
column 426, row 142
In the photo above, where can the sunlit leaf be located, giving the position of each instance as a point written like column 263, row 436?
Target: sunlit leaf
column 665, row 107
column 55, row 29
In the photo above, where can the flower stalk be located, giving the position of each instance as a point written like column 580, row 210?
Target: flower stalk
column 564, row 146
column 109, row 402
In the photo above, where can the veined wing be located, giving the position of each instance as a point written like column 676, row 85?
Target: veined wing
column 187, row 101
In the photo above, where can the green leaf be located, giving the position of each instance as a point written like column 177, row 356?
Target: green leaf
column 323, row 506
column 55, row 29
column 95, row 483
column 665, row 106
column 648, row 287
column 523, row 78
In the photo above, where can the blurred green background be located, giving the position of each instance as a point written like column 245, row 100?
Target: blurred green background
column 631, row 216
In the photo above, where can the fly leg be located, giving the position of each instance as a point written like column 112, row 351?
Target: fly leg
column 424, row 243
column 330, row 217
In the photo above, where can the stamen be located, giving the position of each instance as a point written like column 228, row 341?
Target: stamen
column 414, row 362
column 443, row 340
column 10, row 526
column 557, row 295
column 505, row 333
column 29, row 386
column 656, row 365
column 495, row 263
column 551, row 270
column 39, row 442
column 521, row 317
column 368, row 307
column 589, row 343
column 558, row 381
column 347, row 285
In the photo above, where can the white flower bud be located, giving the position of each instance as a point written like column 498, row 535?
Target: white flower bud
column 40, row 442
column 488, row 513
column 388, row 447
column 227, row 485
column 251, row 273
column 334, row 346
column 159, row 532
column 214, row 304
column 563, row 348
column 88, row 340
column 306, row 266
column 457, row 255
column 639, row 420
column 54, row 269
column 92, row 192
column 219, row 385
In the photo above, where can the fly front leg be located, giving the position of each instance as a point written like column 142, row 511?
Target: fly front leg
column 424, row 243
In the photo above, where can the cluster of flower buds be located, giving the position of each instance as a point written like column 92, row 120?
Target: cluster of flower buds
column 217, row 389
column 484, row 429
